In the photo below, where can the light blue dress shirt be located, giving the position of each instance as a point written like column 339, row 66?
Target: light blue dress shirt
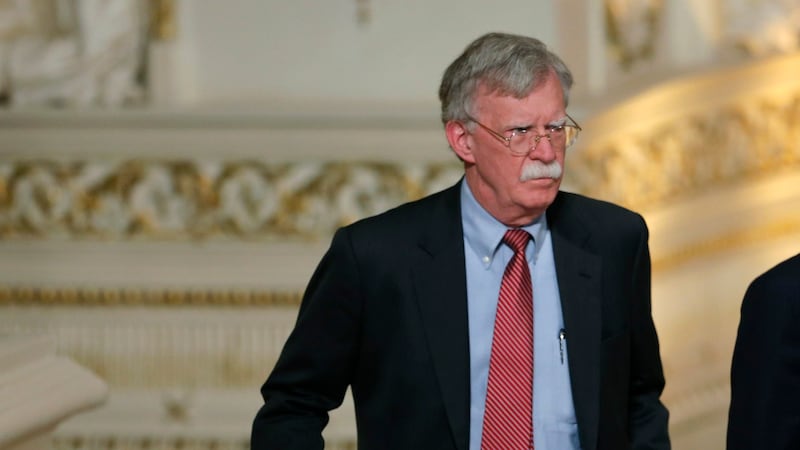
column 554, row 424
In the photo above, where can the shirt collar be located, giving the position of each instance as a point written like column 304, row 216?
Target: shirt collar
column 484, row 234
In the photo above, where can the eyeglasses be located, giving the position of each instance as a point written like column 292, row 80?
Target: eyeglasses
column 522, row 141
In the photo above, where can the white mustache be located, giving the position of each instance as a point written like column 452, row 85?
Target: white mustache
column 537, row 169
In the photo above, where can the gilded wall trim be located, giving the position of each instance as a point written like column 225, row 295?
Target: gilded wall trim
column 126, row 297
column 199, row 200
column 163, row 20
column 63, row 441
column 632, row 29
column 649, row 166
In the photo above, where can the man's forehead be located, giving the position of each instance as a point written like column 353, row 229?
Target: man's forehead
column 515, row 86
column 487, row 89
column 496, row 89
column 498, row 103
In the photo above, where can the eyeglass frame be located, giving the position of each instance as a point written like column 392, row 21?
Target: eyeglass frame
column 536, row 138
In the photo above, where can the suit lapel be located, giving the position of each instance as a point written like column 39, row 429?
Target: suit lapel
column 439, row 279
column 579, row 283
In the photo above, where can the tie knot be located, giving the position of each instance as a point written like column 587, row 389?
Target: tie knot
column 517, row 239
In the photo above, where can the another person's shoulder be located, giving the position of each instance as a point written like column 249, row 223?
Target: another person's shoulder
column 784, row 277
column 790, row 266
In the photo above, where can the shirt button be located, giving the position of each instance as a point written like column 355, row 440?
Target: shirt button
column 486, row 260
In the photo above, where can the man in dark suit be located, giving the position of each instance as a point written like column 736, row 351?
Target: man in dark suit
column 765, row 373
column 402, row 307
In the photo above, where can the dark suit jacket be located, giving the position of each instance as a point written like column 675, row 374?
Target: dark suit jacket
column 386, row 312
column 765, row 373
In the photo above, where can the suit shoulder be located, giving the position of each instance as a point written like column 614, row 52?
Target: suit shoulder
column 406, row 219
column 598, row 212
column 407, row 211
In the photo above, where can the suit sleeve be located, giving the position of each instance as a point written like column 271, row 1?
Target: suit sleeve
column 765, row 371
column 753, row 369
column 315, row 367
column 648, row 416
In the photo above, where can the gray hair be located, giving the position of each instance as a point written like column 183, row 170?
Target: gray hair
column 507, row 64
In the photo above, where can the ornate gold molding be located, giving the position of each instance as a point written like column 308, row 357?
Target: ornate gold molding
column 163, row 20
column 90, row 441
column 63, row 441
column 123, row 297
column 715, row 147
column 620, row 18
column 198, row 200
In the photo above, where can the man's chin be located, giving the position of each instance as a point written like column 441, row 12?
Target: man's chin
column 537, row 202
column 541, row 190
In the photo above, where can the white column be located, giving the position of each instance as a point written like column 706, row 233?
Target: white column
column 582, row 44
column 693, row 31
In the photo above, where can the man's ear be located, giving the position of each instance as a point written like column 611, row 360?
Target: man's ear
column 460, row 140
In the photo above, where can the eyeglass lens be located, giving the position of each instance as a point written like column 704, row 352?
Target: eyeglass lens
column 562, row 137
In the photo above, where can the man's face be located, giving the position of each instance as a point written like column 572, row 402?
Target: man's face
column 495, row 175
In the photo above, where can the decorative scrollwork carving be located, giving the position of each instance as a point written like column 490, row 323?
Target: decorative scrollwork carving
column 691, row 153
column 632, row 29
column 137, row 297
column 201, row 200
column 163, row 20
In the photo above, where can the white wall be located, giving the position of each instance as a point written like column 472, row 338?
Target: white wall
column 253, row 51
column 242, row 52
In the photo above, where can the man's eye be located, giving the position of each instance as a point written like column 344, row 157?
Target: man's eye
column 555, row 128
column 521, row 130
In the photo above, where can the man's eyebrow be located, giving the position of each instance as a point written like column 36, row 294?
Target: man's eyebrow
column 517, row 125
column 530, row 125
column 557, row 122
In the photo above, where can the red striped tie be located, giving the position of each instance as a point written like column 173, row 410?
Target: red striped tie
column 507, row 422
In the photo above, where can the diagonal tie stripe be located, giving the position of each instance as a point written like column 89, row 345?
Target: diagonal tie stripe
column 507, row 421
